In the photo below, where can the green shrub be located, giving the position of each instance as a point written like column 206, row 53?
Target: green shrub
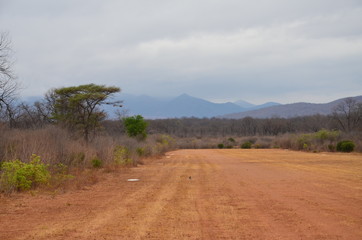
column 246, row 145
column 305, row 147
column 140, row 151
column 59, row 175
column 303, row 141
column 97, row 163
column 163, row 144
column 220, row 145
column 17, row 175
column 136, row 126
column 122, row 156
column 345, row 146
column 231, row 140
column 324, row 134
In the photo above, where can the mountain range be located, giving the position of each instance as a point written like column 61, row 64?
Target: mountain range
column 291, row 110
column 184, row 106
column 189, row 106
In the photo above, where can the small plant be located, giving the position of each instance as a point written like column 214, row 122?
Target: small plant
column 140, row 151
column 303, row 141
column 220, row 145
column 122, row 156
column 305, row 147
column 246, row 145
column 77, row 159
column 331, row 147
column 345, row 146
column 59, row 175
column 97, row 163
column 231, row 140
column 324, row 134
column 17, row 175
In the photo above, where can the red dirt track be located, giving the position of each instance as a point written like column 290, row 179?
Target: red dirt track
column 232, row 194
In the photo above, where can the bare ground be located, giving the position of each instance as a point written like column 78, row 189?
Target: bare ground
column 203, row 194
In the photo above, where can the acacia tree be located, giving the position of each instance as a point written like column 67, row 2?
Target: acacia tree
column 348, row 114
column 77, row 108
column 8, row 85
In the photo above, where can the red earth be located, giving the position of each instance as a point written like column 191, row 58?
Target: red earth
column 203, row 194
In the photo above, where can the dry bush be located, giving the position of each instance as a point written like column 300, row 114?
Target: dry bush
column 56, row 145
column 59, row 149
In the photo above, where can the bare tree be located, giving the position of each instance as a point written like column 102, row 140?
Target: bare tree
column 8, row 85
column 348, row 114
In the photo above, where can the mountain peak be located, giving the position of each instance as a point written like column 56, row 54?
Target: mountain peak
column 184, row 95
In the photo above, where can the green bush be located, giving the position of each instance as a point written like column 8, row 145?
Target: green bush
column 324, row 134
column 17, row 175
column 136, row 127
column 304, row 140
column 345, row 146
column 97, row 163
column 59, row 174
column 246, row 145
column 122, row 156
column 220, row 145
column 305, row 147
column 163, row 144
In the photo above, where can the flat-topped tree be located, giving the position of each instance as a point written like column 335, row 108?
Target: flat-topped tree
column 77, row 108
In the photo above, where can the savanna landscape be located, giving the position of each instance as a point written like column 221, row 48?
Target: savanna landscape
column 87, row 153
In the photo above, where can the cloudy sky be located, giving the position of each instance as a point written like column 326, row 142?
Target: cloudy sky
column 221, row 50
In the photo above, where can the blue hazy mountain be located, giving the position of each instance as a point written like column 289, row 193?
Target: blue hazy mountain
column 290, row 110
column 181, row 106
column 189, row 106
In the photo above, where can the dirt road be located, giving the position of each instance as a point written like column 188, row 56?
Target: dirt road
column 203, row 194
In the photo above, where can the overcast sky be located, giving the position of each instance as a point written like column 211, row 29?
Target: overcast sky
column 221, row 50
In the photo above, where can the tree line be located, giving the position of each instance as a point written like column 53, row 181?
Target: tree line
column 215, row 127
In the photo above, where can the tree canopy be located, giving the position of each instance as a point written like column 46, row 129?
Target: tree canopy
column 136, row 126
column 78, row 107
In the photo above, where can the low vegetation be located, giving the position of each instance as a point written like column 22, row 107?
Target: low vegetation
column 65, row 159
column 345, row 146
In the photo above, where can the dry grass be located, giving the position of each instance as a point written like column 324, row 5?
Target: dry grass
column 57, row 146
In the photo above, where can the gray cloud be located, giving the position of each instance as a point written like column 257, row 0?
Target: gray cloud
column 220, row 50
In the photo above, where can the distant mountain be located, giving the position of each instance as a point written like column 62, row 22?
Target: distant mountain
column 188, row 106
column 178, row 107
column 244, row 104
column 181, row 106
column 290, row 110
column 265, row 105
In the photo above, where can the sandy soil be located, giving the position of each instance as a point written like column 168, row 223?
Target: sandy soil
column 203, row 194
